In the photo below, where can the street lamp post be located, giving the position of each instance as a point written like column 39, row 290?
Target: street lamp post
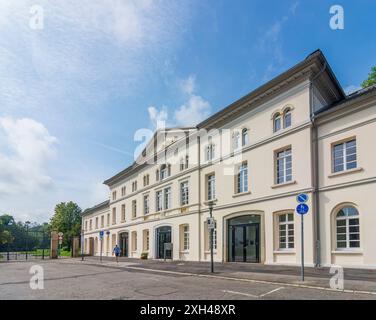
column 82, row 244
column 211, row 203
column 27, row 237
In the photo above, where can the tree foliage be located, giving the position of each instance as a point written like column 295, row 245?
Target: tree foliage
column 67, row 219
column 371, row 78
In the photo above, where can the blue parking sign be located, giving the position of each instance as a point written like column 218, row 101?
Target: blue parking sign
column 302, row 198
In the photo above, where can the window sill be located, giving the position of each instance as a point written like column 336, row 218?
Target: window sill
column 336, row 174
column 280, row 185
column 241, row 194
column 184, row 252
column 284, row 251
column 354, row 252
column 208, row 251
column 122, row 221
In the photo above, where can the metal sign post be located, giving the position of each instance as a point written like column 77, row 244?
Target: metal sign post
column 101, row 233
column 302, row 209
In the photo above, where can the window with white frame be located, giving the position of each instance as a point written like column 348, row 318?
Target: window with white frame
column 277, row 122
column 210, row 150
column 181, row 164
column 347, row 228
column 211, row 186
column 184, row 193
column 134, row 208
column 159, row 200
column 123, row 212
column 163, row 172
column 286, row 231
column 186, row 238
column 245, row 137
column 242, row 178
column 215, row 236
column 167, row 198
column 207, row 236
column 146, row 204
column 344, row 156
column 284, row 166
column 287, row 118
column 113, row 215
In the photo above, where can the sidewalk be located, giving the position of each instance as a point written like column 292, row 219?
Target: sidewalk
column 354, row 279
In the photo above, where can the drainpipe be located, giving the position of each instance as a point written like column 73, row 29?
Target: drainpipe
column 199, row 197
column 315, row 168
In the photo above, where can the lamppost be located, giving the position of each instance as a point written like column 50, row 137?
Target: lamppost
column 82, row 244
column 211, row 226
column 27, row 237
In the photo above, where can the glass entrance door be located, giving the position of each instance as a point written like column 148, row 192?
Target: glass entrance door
column 243, row 240
column 163, row 236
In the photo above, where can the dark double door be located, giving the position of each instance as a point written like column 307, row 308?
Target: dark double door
column 124, row 244
column 244, row 243
column 163, row 236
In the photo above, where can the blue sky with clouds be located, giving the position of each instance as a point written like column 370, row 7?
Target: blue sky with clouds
column 73, row 94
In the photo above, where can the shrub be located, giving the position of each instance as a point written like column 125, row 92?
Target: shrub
column 144, row 255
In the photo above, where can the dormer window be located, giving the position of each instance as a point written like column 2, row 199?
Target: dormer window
column 287, row 118
column 277, row 122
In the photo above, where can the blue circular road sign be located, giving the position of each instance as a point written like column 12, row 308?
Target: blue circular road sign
column 302, row 198
column 302, row 208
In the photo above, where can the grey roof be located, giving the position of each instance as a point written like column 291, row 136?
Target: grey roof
column 101, row 205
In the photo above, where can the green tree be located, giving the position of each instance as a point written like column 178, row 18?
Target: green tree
column 5, row 235
column 371, row 78
column 67, row 219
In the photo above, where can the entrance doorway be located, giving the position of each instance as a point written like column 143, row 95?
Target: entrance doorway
column 163, row 236
column 123, row 244
column 244, row 239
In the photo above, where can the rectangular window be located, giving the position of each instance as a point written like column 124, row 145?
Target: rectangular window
column 284, row 166
column 146, row 204
column 134, row 241
column 114, row 196
column 102, row 221
column 85, row 225
column 211, row 186
column 147, row 240
column 91, row 224
column 113, row 215
column 344, row 156
column 209, row 152
column 123, row 191
column 108, row 219
column 134, row 209
column 96, row 223
column 167, row 198
column 184, row 193
column 185, row 238
column 242, row 178
column 286, row 231
column 123, row 212
column 159, row 201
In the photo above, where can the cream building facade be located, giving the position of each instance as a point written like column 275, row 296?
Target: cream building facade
column 298, row 133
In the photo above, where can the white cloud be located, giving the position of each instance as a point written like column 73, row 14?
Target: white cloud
column 193, row 111
column 190, row 113
column 26, row 146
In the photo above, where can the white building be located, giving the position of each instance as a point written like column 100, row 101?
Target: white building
column 297, row 133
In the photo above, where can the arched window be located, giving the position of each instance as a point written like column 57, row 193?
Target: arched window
column 347, row 228
column 287, row 118
column 277, row 122
column 244, row 137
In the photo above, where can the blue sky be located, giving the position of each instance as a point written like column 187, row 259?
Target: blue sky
column 73, row 94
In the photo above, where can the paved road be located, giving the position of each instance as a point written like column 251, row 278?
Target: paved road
column 72, row 279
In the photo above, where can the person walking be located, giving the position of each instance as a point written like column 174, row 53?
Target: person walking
column 116, row 252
